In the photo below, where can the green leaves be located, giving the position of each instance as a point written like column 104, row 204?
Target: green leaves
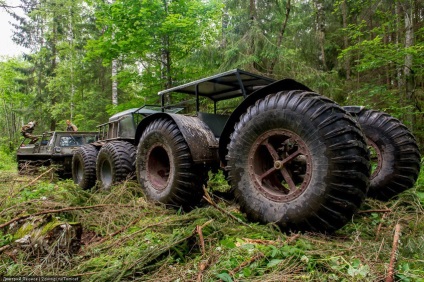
column 274, row 262
column 156, row 35
column 224, row 277
column 357, row 270
column 228, row 243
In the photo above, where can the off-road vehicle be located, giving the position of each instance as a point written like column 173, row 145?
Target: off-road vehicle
column 54, row 147
column 111, row 158
column 292, row 157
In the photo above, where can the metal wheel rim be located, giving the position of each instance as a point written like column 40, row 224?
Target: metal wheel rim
column 158, row 167
column 80, row 172
column 377, row 151
column 106, row 174
column 280, row 165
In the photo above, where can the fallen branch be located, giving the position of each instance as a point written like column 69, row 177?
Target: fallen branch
column 396, row 238
column 376, row 210
column 122, row 230
column 260, row 241
column 37, row 178
column 202, row 266
column 202, row 241
column 21, row 205
column 325, row 243
column 32, row 182
column 199, row 231
column 379, row 226
column 57, row 211
column 246, row 263
column 85, row 274
column 3, row 200
column 4, row 248
column 379, row 249
column 123, row 239
column 143, row 261
column 208, row 199
column 107, row 237
column 292, row 238
column 271, row 242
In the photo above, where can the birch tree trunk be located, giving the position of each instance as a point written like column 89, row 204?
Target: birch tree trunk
column 166, row 60
column 114, row 78
column 54, row 64
column 114, row 82
column 71, row 42
column 408, row 69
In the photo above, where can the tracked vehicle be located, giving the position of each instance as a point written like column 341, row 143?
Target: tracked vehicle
column 53, row 148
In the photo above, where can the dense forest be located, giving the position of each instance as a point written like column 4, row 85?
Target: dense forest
column 90, row 59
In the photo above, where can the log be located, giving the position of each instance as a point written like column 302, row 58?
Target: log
column 47, row 235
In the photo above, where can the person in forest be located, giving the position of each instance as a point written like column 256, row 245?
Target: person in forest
column 27, row 130
column 70, row 126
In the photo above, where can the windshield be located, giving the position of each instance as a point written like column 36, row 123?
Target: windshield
column 76, row 140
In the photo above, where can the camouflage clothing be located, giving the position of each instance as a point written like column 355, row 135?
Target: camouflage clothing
column 27, row 130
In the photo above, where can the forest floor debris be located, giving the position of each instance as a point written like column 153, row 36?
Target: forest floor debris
column 126, row 238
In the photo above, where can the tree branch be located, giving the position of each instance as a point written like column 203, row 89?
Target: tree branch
column 208, row 199
column 376, row 210
column 246, row 263
column 56, row 211
column 396, row 238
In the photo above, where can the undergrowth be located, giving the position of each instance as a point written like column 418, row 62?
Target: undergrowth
column 7, row 161
column 126, row 238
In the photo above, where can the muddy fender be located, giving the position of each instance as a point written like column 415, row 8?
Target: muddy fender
column 200, row 139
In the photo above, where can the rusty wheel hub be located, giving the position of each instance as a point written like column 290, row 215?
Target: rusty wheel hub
column 158, row 167
column 280, row 165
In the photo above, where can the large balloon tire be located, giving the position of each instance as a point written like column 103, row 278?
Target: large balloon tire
column 165, row 168
column 84, row 166
column 300, row 161
column 397, row 153
column 115, row 163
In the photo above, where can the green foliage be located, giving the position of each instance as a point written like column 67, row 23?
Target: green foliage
column 5, row 239
column 143, row 33
column 7, row 158
column 420, row 188
column 42, row 191
column 14, row 102
column 217, row 182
